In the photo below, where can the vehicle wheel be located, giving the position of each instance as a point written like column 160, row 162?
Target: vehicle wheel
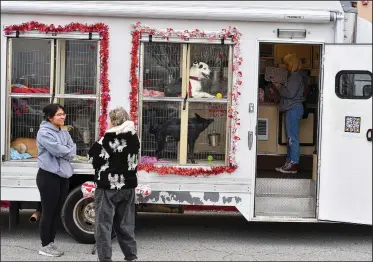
column 78, row 217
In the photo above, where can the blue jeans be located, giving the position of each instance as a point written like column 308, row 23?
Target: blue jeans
column 292, row 118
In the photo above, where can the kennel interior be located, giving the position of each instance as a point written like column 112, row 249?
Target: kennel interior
column 210, row 145
column 153, row 115
column 32, row 68
column 217, row 58
column 81, row 67
column 162, row 68
column 161, row 71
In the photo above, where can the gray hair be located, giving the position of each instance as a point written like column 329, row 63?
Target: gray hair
column 118, row 116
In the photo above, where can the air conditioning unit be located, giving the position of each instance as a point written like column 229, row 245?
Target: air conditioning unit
column 262, row 132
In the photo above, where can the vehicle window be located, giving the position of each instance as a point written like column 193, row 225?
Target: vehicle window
column 354, row 84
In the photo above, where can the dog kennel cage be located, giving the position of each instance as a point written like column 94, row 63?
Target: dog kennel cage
column 161, row 99
column 44, row 71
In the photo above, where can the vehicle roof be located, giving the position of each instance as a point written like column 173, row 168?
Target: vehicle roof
column 299, row 5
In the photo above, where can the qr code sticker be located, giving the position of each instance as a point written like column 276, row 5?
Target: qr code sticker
column 352, row 124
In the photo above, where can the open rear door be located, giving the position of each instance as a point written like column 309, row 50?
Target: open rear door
column 345, row 189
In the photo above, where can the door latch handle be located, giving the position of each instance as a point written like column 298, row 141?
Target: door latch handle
column 369, row 135
column 250, row 137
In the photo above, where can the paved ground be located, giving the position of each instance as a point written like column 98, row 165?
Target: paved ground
column 208, row 236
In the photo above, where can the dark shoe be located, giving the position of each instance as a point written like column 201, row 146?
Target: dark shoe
column 131, row 259
column 291, row 168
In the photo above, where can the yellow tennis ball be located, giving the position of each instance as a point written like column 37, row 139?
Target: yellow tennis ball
column 210, row 158
column 219, row 95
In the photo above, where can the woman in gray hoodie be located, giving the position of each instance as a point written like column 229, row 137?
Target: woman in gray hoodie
column 55, row 151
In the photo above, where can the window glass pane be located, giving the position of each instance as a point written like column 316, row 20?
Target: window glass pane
column 354, row 85
column 81, row 120
column 209, row 70
column 27, row 114
column 207, row 130
column 161, row 70
column 160, row 132
column 30, row 70
column 81, row 67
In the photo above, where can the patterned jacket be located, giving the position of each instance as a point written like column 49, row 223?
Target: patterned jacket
column 115, row 157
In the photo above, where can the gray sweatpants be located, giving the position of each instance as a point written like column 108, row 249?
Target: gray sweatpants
column 115, row 209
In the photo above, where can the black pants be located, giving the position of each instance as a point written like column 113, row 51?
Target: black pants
column 115, row 209
column 53, row 192
column 39, row 208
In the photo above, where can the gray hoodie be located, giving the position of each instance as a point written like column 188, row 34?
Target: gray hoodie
column 292, row 95
column 55, row 150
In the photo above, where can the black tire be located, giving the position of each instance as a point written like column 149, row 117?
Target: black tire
column 73, row 218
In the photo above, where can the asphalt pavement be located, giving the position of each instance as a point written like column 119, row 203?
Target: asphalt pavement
column 208, row 236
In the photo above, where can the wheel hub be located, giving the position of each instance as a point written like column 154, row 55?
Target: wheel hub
column 89, row 213
column 84, row 215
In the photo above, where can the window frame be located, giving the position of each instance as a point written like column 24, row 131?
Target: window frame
column 346, row 72
column 57, row 77
column 185, row 64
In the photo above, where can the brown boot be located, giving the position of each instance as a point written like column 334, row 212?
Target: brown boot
column 290, row 168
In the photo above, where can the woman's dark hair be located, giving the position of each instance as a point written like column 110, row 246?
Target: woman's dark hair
column 51, row 110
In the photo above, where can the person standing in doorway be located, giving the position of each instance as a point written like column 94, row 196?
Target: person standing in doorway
column 55, row 151
column 115, row 158
column 291, row 104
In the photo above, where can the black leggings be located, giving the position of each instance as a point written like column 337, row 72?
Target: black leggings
column 53, row 192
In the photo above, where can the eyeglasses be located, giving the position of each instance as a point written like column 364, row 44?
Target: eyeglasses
column 60, row 114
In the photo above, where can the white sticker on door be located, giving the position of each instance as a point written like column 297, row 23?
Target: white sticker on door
column 352, row 124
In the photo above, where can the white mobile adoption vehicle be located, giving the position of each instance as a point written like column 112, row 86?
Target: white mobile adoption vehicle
column 137, row 55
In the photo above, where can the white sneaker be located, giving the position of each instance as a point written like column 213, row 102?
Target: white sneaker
column 284, row 166
column 49, row 251
column 53, row 245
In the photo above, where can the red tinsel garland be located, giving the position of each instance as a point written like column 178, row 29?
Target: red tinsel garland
column 100, row 28
column 233, row 113
column 186, row 171
column 134, row 79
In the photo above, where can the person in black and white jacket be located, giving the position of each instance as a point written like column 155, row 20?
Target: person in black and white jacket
column 115, row 158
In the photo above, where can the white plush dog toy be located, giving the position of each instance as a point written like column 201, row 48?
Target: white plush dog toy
column 197, row 73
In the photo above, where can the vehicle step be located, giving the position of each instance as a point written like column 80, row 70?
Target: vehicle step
column 285, row 187
column 283, row 215
column 292, row 206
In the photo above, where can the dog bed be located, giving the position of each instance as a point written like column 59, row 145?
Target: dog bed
column 15, row 155
column 19, row 88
